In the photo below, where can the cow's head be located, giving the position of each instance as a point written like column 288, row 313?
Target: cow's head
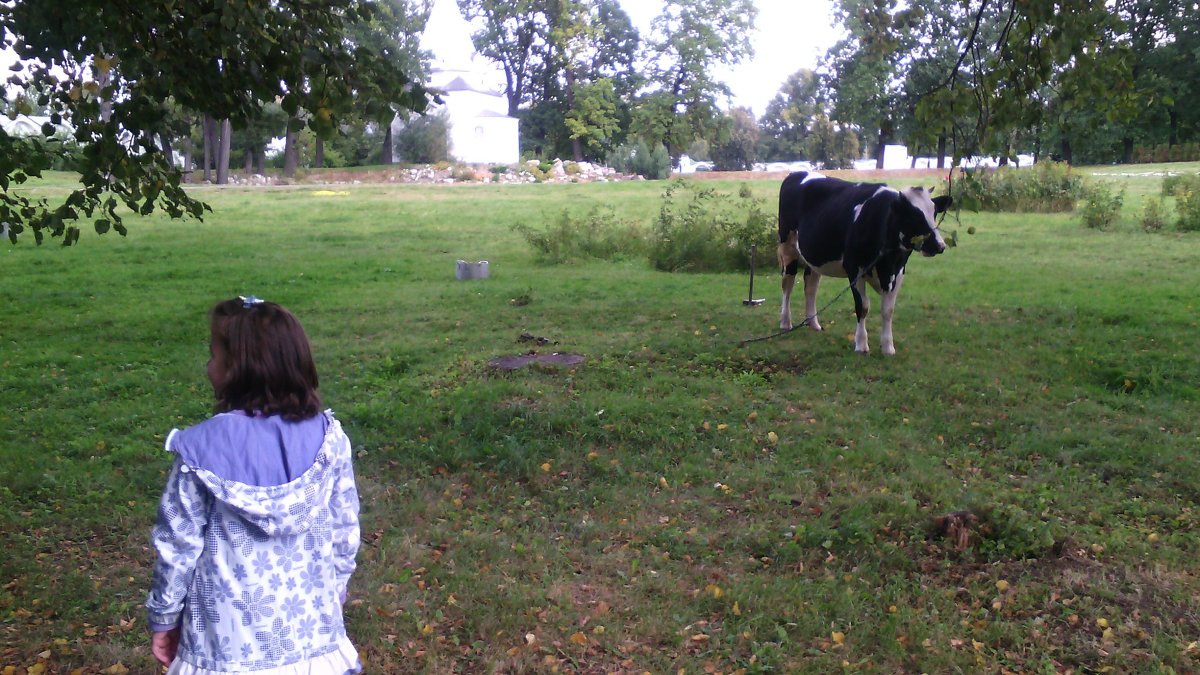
column 916, row 212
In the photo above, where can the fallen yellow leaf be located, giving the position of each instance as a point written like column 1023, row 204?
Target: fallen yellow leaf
column 1002, row 585
column 115, row 669
column 772, row 437
column 737, row 610
column 546, row 466
column 838, row 637
column 580, row 639
column 427, row 629
column 700, row 638
column 714, row 590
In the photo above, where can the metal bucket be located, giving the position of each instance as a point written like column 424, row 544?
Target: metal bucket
column 471, row 270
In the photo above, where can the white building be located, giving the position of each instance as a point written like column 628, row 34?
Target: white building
column 30, row 125
column 481, row 132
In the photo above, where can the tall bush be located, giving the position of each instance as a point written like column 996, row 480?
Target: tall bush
column 1101, row 205
column 700, row 229
column 1186, row 189
column 425, row 139
column 600, row 234
column 639, row 158
column 1047, row 187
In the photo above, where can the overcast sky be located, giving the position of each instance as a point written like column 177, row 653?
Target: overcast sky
column 789, row 35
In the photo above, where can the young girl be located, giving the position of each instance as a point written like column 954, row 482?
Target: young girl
column 258, row 525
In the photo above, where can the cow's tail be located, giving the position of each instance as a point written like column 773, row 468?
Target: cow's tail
column 788, row 203
column 790, row 196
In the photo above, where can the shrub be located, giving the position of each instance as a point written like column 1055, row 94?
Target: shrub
column 652, row 163
column 599, row 234
column 1172, row 181
column 1101, row 205
column 1047, row 187
column 1153, row 219
column 703, row 230
column 424, row 139
column 1187, row 202
column 463, row 173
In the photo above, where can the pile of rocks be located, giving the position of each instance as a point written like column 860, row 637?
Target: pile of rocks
column 532, row 171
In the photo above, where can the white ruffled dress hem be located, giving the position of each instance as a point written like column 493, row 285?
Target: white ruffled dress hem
column 344, row 661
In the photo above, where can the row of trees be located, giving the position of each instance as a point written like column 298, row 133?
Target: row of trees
column 1084, row 82
column 1089, row 80
column 583, row 80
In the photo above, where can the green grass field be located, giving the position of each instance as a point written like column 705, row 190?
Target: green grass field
column 678, row 503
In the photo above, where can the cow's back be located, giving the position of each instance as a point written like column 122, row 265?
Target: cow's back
column 820, row 211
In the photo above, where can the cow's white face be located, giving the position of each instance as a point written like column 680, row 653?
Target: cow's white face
column 933, row 243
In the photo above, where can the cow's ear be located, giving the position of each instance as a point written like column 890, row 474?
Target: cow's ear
column 942, row 203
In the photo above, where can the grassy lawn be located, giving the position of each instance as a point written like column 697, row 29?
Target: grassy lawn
column 678, row 503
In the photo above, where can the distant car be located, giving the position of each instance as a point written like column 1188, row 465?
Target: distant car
column 702, row 166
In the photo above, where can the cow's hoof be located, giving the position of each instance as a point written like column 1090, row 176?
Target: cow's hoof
column 864, row 352
column 815, row 326
column 785, row 325
column 889, row 352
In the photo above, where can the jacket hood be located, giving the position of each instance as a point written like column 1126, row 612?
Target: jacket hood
column 291, row 508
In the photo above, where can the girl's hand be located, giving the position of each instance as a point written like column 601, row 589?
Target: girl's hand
column 164, row 644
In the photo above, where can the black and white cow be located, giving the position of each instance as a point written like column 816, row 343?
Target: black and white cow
column 858, row 231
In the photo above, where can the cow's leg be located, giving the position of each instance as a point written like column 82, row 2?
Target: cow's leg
column 812, row 279
column 888, row 302
column 862, row 306
column 789, row 282
column 789, row 264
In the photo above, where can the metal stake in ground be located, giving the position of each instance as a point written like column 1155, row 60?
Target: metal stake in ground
column 750, row 300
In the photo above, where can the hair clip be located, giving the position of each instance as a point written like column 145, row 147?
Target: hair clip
column 250, row 301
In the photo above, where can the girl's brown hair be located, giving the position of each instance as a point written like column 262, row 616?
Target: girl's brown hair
column 266, row 359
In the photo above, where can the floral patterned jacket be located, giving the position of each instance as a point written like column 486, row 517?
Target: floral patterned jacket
column 255, row 576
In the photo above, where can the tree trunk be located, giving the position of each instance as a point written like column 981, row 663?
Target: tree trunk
column 291, row 154
column 248, row 161
column 1066, row 150
column 165, row 141
column 885, row 135
column 260, row 160
column 386, row 157
column 1174, row 137
column 1127, row 150
column 188, row 164
column 210, row 134
column 223, row 153
column 1037, row 144
column 942, row 151
column 319, row 155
